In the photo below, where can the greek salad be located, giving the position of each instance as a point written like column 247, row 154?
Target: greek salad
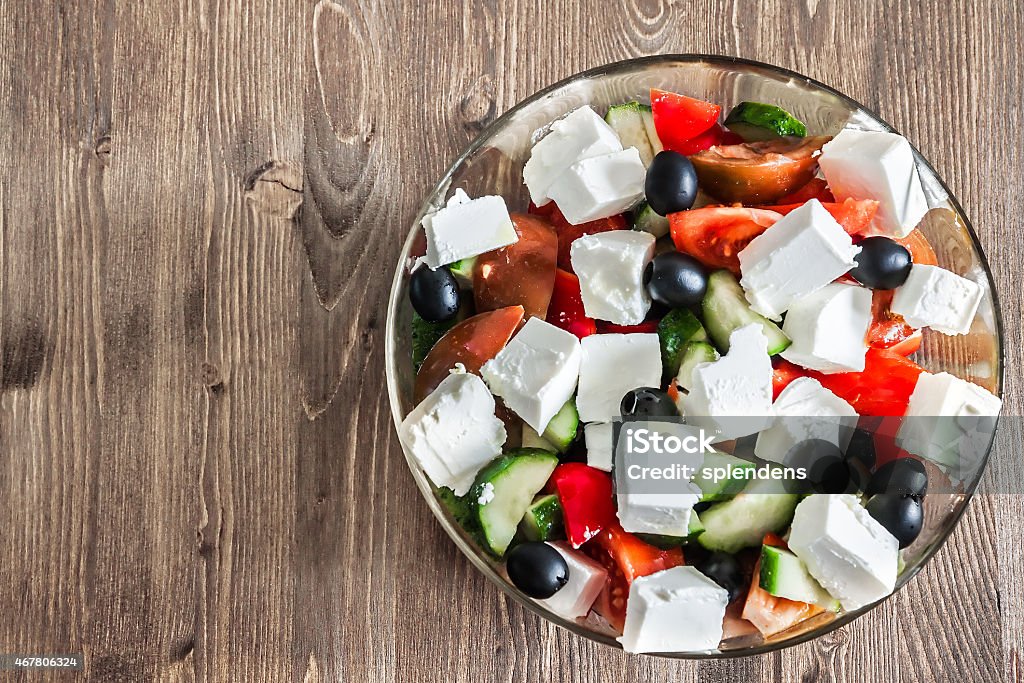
column 675, row 262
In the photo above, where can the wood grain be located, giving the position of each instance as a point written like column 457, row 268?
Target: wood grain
column 200, row 204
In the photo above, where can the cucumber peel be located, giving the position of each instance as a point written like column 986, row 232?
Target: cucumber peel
column 756, row 122
column 677, row 329
column 543, row 519
column 726, row 309
column 504, row 490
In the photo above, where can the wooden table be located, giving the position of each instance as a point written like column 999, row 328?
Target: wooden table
column 201, row 203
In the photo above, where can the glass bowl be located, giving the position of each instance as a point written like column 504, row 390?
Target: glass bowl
column 493, row 165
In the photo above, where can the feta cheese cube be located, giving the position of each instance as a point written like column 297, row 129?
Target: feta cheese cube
column 610, row 266
column 804, row 251
column 937, row 298
column 612, row 365
column 536, row 372
column 453, row 432
column 828, row 329
column 667, row 514
column 863, row 164
column 733, row 395
column 467, row 227
column 674, row 610
column 805, row 410
column 598, row 437
column 580, row 134
column 586, row 581
column 949, row 421
column 851, row 555
column 599, row 187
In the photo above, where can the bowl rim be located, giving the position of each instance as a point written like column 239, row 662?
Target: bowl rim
column 455, row 532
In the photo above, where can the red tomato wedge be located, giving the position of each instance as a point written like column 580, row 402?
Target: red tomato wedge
column 715, row 235
column 678, row 119
column 855, row 215
column 626, row 558
column 472, row 342
column 587, row 500
column 784, row 372
column 715, row 135
column 568, row 233
column 757, row 172
column 816, row 189
column 566, row 307
column 889, row 330
column 521, row 274
column 771, row 614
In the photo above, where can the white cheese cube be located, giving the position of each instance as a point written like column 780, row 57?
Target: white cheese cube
column 850, row 554
column 467, row 227
column 598, row 436
column 949, row 420
column 586, row 581
column 675, row 610
column 733, row 395
column 828, row 329
column 667, row 514
column 600, row 187
column 580, row 134
column 610, row 266
column 804, row 251
column 612, row 365
column 937, row 298
column 805, row 410
column 453, row 432
column 536, row 372
column 861, row 164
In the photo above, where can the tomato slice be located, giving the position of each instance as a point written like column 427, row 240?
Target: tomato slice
column 715, row 235
column 921, row 251
column 855, row 215
column 566, row 307
column 520, row 274
column 678, row 119
column 784, row 372
column 771, row 614
column 715, row 135
column 889, row 330
column 568, row 233
column 626, row 558
column 646, row 326
column 472, row 342
column 757, row 172
column 587, row 500
column 817, row 188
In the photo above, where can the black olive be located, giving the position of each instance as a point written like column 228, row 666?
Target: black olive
column 882, row 263
column 901, row 515
column 434, row 294
column 723, row 569
column 537, row 569
column 676, row 280
column 671, row 183
column 647, row 402
column 862, row 448
column 903, row 475
column 827, row 471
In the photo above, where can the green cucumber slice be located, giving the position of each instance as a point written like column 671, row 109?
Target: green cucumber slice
column 726, row 309
column 652, row 132
column 721, row 488
column 784, row 575
column 543, row 519
column 532, row 439
column 743, row 521
column 463, row 271
column 678, row 328
column 695, row 353
column 755, row 122
column 561, row 430
column 646, row 219
column 503, row 491
column 628, row 121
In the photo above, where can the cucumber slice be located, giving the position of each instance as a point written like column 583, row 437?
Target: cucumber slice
column 668, row 542
column 543, row 519
column 425, row 335
column 532, row 439
column 726, row 309
column 652, row 132
column 755, row 122
column 647, row 220
column 784, row 575
column 743, row 521
column 695, row 353
column 628, row 121
column 677, row 329
column 561, row 431
column 715, row 487
column 463, row 271
column 503, row 491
